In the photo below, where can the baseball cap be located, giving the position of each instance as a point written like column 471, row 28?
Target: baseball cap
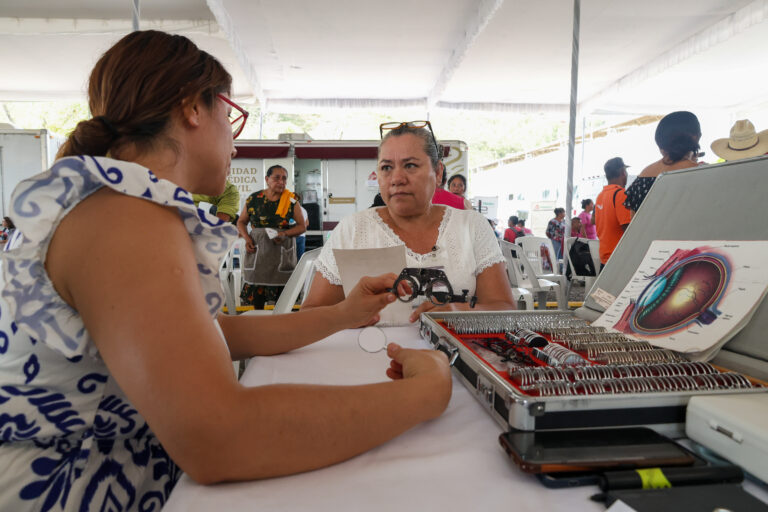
column 613, row 165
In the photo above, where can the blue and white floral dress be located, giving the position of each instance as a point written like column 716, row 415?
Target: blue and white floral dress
column 69, row 438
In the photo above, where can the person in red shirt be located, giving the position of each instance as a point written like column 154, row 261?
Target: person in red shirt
column 442, row 196
column 510, row 234
column 611, row 217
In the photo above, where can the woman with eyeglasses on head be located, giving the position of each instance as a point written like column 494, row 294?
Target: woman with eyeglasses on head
column 115, row 369
column 461, row 241
column 270, row 247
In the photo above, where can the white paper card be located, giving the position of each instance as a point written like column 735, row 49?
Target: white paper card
column 603, row 298
column 620, row 506
column 356, row 263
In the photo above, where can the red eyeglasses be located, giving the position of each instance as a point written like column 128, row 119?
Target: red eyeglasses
column 237, row 116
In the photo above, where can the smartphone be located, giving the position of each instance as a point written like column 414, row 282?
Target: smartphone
column 559, row 451
column 567, row 479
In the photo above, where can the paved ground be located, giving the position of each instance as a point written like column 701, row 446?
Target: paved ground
column 576, row 293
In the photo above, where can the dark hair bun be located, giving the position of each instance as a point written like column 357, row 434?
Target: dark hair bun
column 91, row 137
column 680, row 145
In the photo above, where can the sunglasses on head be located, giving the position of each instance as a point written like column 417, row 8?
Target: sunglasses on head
column 394, row 125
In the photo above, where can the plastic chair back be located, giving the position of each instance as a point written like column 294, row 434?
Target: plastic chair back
column 541, row 253
column 301, row 275
column 517, row 272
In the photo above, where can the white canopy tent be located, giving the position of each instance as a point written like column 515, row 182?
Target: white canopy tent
column 505, row 55
column 509, row 55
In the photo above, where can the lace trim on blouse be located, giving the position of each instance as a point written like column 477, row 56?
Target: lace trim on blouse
column 399, row 241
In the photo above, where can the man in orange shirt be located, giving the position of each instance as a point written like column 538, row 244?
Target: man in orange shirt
column 611, row 217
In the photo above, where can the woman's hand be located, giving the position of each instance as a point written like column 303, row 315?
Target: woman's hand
column 249, row 245
column 428, row 306
column 430, row 365
column 366, row 299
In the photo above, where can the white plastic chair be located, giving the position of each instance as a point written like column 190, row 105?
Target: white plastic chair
column 521, row 276
column 225, row 276
column 523, row 297
column 588, row 280
column 594, row 251
column 300, row 280
column 235, row 264
column 231, row 275
column 532, row 248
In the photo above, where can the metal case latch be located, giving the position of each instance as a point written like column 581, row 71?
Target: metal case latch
column 485, row 390
column 452, row 352
column 536, row 409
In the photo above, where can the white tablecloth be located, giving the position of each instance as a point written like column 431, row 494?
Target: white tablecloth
column 452, row 463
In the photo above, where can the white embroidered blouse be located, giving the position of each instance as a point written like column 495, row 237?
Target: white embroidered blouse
column 465, row 247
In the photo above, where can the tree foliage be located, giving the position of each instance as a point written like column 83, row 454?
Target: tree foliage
column 489, row 135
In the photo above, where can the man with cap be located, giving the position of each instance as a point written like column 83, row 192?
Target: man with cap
column 611, row 217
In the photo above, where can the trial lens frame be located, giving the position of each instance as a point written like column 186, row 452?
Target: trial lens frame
column 424, row 281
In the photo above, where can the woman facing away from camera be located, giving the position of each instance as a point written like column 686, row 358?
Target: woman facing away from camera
column 115, row 369
column 677, row 136
column 588, row 229
column 461, row 241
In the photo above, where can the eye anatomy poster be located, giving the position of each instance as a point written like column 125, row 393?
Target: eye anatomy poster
column 691, row 297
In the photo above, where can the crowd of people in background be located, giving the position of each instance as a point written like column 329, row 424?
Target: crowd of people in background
column 603, row 218
column 607, row 217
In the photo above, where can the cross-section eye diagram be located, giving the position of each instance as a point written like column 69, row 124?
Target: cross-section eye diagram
column 686, row 289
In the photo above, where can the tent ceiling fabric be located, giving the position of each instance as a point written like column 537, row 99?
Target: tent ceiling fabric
column 508, row 55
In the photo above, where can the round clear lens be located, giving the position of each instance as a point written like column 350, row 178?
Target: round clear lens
column 439, row 292
column 406, row 288
column 372, row 339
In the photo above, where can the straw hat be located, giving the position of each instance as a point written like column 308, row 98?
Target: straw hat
column 744, row 142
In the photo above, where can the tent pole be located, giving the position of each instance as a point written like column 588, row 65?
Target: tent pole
column 136, row 11
column 572, row 117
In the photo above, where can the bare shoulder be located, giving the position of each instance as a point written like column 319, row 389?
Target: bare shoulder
column 112, row 229
column 114, row 205
column 652, row 170
column 108, row 217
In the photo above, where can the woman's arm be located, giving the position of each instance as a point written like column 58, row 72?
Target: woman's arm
column 249, row 336
column 322, row 293
column 141, row 302
column 493, row 294
column 301, row 222
column 242, row 228
column 299, row 227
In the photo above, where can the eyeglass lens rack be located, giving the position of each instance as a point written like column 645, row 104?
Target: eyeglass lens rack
column 557, row 354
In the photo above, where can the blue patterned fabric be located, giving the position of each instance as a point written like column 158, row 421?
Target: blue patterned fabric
column 69, row 438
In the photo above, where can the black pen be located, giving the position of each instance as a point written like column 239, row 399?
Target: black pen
column 655, row 478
